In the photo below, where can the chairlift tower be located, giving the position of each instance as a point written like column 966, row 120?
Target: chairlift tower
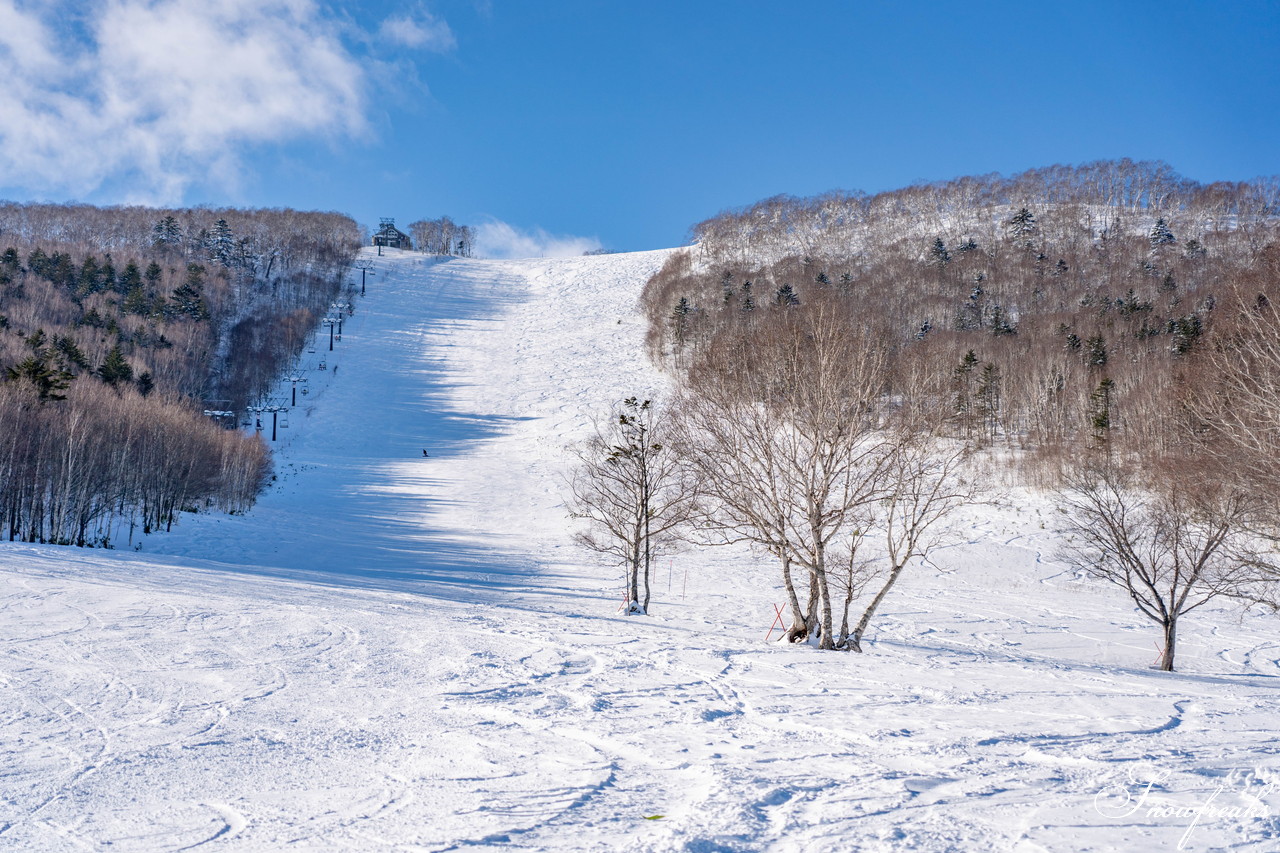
column 295, row 378
column 275, row 409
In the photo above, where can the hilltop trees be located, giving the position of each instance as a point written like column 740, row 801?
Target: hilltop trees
column 442, row 237
column 1057, row 279
column 1051, row 316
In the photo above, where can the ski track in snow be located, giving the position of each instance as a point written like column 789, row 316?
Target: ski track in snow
column 397, row 652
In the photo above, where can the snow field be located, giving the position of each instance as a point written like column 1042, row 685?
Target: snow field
column 392, row 652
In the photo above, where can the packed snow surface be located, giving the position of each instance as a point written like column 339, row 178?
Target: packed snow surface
column 398, row 651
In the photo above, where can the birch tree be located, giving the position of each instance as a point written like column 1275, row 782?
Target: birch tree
column 629, row 488
column 782, row 433
column 926, row 481
column 1172, row 536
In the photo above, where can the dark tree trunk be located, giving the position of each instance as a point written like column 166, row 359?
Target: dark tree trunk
column 1170, row 638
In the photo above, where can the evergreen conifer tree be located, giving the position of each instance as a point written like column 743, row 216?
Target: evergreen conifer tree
column 130, row 278
column 1160, row 234
column 115, row 369
column 1022, row 226
column 786, row 297
column 1100, row 410
column 938, row 253
column 963, row 378
column 166, row 232
column 988, row 399
column 1096, row 351
column 188, row 299
column 222, row 243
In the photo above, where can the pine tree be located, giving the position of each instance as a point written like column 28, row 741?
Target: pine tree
column 1096, row 351
column 69, row 353
column 938, row 254
column 988, row 399
column 786, row 297
column 107, row 281
column 136, row 302
column 222, row 243
column 1000, row 324
column 38, row 263
column 963, row 378
column 89, row 280
column 115, row 369
column 129, row 279
column 36, row 342
column 1022, row 226
column 1100, row 411
column 39, row 370
column 1160, row 234
column 44, row 377
column 188, row 299
column 166, row 232
column 680, row 322
column 1186, row 331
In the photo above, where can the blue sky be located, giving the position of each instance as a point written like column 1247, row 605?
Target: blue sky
column 619, row 123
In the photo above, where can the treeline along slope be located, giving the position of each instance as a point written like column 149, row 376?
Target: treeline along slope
column 1057, row 306
column 118, row 328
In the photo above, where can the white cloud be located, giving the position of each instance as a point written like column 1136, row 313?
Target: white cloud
column 500, row 240
column 421, row 31
column 160, row 94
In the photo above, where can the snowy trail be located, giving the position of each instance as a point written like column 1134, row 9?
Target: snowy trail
column 393, row 652
column 356, row 496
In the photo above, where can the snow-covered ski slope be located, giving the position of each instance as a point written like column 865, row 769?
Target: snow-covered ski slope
column 394, row 652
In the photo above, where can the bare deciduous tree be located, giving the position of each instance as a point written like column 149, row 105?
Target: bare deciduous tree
column 782, row 433
column 629, row 487
column 1170, row 534
column 925, row 481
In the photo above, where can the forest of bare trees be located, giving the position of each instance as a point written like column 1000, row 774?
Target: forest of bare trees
column 442, row 236
column 119, row 327
column 844, row 362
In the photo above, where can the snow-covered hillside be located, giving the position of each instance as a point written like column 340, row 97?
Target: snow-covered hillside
column 394, row 651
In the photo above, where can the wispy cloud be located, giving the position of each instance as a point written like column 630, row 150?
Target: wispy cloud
column 419, row 30
column 160, row 94
column 499, row 240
